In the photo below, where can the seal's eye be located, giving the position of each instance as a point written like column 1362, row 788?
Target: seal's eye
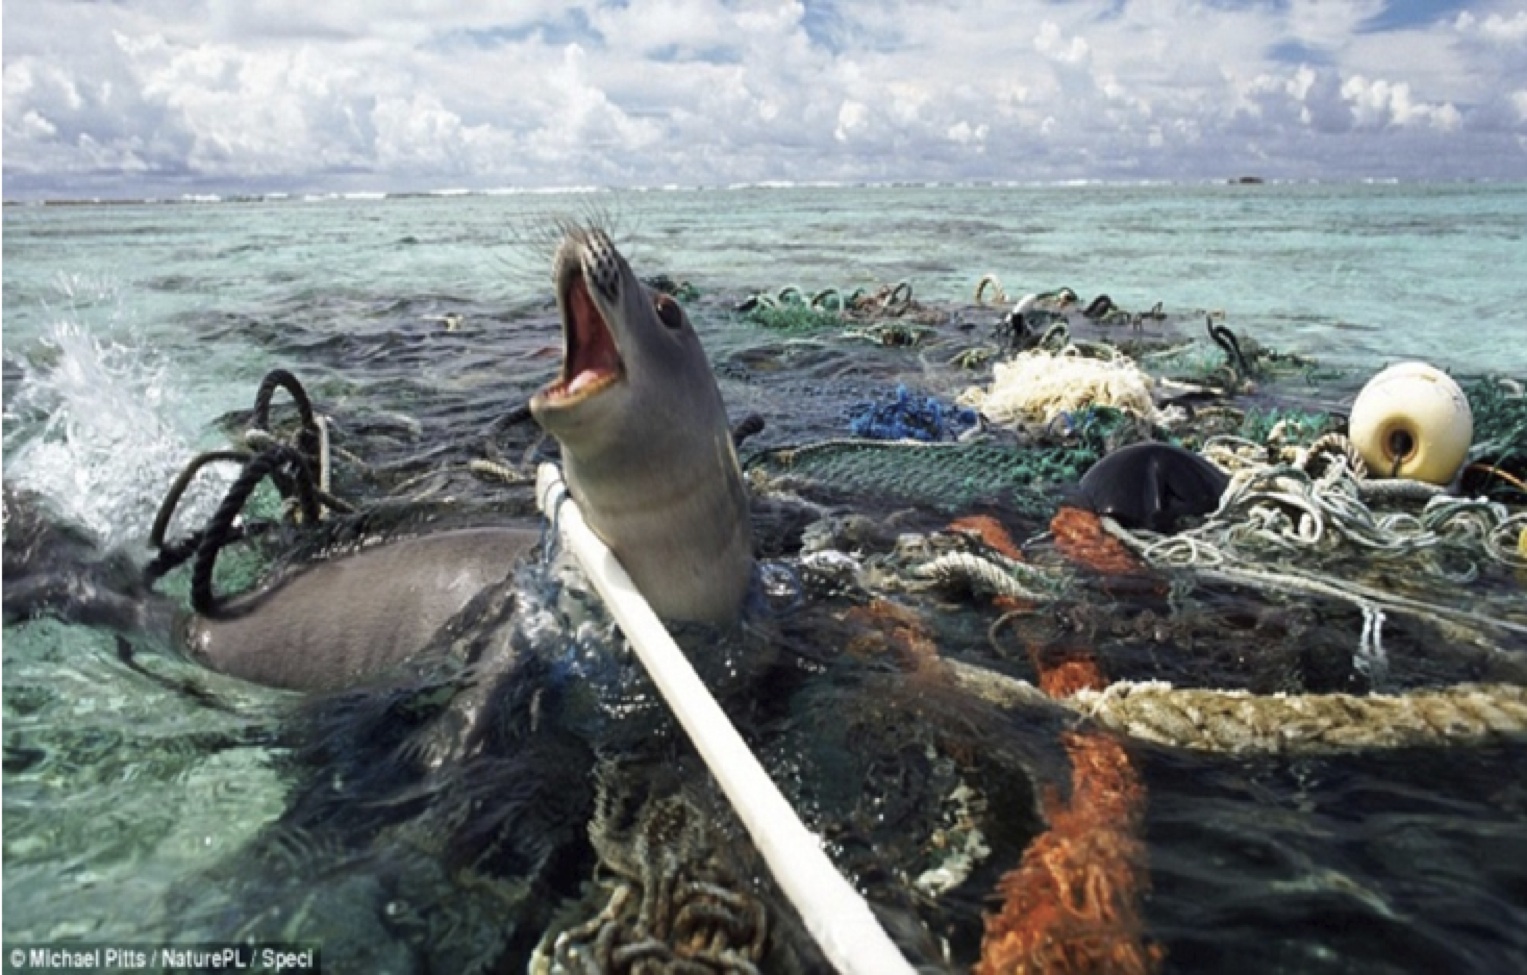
column 668, row 310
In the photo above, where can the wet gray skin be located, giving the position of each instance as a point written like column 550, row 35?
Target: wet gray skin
column 646, row 448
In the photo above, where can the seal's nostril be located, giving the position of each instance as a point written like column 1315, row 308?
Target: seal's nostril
column 602, row 267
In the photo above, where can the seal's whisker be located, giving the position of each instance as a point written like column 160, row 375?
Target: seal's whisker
column 533, row 241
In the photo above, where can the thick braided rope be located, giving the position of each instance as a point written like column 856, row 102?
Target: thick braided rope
column 1240, row 722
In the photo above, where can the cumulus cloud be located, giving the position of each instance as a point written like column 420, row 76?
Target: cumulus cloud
column 1379, row 103
column 1053, row 45
column 167, row 95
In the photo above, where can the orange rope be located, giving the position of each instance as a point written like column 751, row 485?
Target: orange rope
column 888, row 626
column 1510, row 479
column 990, row 531
column 1071, row 906
column 1071, row 674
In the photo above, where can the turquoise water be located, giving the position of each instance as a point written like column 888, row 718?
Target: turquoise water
column 192, row 303
column 129, row 329
column 1352, row 272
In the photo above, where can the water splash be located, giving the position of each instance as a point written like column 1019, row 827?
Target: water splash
column 106, row 449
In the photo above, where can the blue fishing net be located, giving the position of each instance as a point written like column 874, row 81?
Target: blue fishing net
column 908, row 416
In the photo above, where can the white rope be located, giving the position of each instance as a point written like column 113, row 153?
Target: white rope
column 1282, row 510
column 323, row 461
column 993, row 573
column 836, row 916
column 1242, row 723
column 1370, row 660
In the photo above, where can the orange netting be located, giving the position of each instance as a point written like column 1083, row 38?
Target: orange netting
column 1081, row 538
column 888, row 626
column 990, row 531
column 1071, row 907
column 1068, row 676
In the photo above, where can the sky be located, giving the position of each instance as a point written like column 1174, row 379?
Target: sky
column 171, row 97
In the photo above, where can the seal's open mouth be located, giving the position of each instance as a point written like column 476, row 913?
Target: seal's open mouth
column 590, row 361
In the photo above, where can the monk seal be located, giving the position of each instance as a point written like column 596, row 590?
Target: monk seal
column 647, row 455
column 1152, row 485
column 646, row 449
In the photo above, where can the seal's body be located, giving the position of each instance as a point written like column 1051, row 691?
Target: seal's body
column 1152, row 485
column 647, row 455
column 331, row 624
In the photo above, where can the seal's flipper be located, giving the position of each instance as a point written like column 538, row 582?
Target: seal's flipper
column 55, row 569
column 1152, row 485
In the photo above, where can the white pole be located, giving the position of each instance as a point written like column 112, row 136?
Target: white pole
column 835, row 914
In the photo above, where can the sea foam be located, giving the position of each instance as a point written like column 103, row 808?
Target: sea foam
column 107, row 450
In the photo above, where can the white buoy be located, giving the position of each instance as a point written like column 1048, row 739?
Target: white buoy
column 1412, row 420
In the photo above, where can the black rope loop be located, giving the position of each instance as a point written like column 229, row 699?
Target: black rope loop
column 308, row 440
column 221, row 530
column 172, row 499
column 1226, row 340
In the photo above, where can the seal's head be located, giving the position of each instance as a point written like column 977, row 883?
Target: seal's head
column 645, row 442
column 620, row 340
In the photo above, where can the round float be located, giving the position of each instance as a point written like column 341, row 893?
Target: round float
column 1412, row 420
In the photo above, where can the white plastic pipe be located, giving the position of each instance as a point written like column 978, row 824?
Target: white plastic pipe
column 837, row 917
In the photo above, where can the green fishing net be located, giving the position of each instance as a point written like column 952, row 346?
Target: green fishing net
column 1500, row 415
column 948, row 477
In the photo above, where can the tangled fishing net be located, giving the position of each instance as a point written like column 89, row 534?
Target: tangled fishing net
column 1284, row 530
column 1498, row 459
column 1072, row 905
column 1040, row 385
column 888, row 315
column 908, row 416
column 670, row 904
column 944, row 476
column 665, row 900
column 1270, row 509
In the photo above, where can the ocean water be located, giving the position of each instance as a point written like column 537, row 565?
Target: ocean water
column 143, row 798
column 1357, row 274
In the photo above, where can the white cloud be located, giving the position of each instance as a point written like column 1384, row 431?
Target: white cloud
column 1329, row 24
column 1510, row 30
column 966, row 134
column 683, row 27
column 411, row 93
column 1052, row 44
column 419, row 134
column 853, row 117
column 1379, row 103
